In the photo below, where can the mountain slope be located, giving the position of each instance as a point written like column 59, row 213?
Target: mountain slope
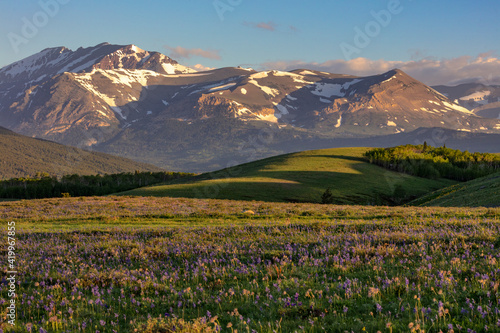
column 21, row 156
column 303, row 177
column 481, row 192
column 121, row 99
column 41, row 95
column 483, row 100
column 212, row 144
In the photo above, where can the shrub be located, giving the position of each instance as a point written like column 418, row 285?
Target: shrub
column 327, row 197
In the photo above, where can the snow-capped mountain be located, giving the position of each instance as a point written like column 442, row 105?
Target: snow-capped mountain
column 24, row 75
column 124, row 100
column 483, row 100
column 49, row 93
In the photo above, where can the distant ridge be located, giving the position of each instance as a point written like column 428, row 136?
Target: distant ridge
column 21, row 156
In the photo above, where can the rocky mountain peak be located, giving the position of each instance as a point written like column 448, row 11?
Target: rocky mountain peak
column 95, row 96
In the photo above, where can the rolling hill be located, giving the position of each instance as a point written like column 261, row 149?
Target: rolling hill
column 21, row 156
column 303, row 177
column 481, row 192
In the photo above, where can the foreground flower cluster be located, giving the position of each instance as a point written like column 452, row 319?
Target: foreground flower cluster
column 263, row 275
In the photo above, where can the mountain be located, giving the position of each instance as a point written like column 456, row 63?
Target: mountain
column 144, row 105
column 46, row 95
column 21, row 156
column 483, row 100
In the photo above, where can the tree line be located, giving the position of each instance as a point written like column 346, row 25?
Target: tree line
column 45, row 186
column 431, row 162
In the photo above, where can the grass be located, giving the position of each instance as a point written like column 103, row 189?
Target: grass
column 303, row 177
column 117, row 264
column 481, row 192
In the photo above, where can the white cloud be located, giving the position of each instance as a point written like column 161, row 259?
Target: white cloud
column 180, row 52
column 429, row 70
column 201, row 68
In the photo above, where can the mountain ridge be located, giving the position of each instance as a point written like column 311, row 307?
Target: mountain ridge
column 21, row 156
column 116, row 96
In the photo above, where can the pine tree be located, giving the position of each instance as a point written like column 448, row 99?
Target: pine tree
column 327, row 197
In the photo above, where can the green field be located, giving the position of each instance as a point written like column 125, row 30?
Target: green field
column 153, row 260
column 481, row 192
column 131, row 264
column 304, row 177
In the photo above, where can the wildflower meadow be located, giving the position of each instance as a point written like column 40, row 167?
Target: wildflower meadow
column 184, row 265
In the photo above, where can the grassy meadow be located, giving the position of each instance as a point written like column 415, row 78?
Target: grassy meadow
column 134, row 264
column 481, row 192
column 304, row 177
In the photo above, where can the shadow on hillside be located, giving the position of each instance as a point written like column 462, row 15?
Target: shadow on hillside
column 296, row 185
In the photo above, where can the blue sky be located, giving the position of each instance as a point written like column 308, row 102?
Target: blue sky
column 264, row 34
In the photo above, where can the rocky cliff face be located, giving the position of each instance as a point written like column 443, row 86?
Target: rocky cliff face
column 133, row 57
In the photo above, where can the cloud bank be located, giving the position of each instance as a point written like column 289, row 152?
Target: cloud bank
column 202, row 68
column 180, row 52
column 484, row 68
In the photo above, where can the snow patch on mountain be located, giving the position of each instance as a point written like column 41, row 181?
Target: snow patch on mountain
column 269, row 91
column 222, row 87
column 480, row 97
column 328, row 90
column 268, row 117
column 175, row 69
column 126, row 77
column 389, row 79
column 26, row 65
column 456, row 107
column 69, row 67
column 282, row 110
column 307, row 73
column 332, row 89
column 119, row 111
column 259, row 75
column 339, row 122
column 296, row 78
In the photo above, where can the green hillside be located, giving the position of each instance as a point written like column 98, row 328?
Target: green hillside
column 304, row 177
column 21, row 156
column 481, row 192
